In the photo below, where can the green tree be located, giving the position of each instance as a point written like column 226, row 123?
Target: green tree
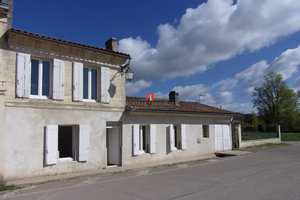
column 254, row 122
column 275, row 102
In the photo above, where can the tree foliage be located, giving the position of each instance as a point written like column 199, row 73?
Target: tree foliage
column 275, row 102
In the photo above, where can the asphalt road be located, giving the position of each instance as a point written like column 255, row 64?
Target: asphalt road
column 272, row 173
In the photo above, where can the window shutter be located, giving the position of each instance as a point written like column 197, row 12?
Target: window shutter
column 183, row 136
column 77, row 81
column 152, row 138
column 84, row 143
column 51, row 144
column 105, row 83
column 58, row 79
column 23, row 75
column 135, row 139
column 172, row 137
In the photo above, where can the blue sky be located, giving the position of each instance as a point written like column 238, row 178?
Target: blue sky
column 218, row 48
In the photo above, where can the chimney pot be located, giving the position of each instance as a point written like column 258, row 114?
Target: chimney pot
column 112, row 44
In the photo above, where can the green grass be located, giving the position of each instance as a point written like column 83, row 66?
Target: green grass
column 290, row 136
column 263, row 146
column 8, row 187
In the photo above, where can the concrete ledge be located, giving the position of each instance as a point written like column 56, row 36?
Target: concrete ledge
column 248, row 143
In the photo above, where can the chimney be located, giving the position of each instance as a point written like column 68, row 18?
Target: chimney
column 6, row 15
column 174, row 98
column 112, row 44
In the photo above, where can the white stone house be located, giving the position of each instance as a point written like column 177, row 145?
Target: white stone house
column 63, row 109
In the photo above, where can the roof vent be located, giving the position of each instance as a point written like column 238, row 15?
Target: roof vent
column 174, row 98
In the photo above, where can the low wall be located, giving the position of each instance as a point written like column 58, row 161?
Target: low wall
column 249, row 143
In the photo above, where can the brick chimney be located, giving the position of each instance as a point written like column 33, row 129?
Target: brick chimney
column 174, row 98
column 6, row 15
column 112, row 44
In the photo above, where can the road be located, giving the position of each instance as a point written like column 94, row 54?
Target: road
column 272, row 173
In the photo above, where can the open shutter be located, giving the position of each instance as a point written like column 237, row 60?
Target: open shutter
column 58, row 79
column 77, row 81
column 23, row 75
column 84, row 143
column 152, row 138
column 172, row 137
column 183, row 136
column 105, row 83
column 51, row 144
column 135, row 139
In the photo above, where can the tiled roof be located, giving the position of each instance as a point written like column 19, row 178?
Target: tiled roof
column 163, row 105
column 35, row 35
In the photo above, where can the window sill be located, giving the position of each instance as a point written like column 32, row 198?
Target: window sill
column 89, row 101
column 68, row 159
column 38, row 97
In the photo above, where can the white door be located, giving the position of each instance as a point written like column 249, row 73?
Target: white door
column 223, row 139
column 113, row 146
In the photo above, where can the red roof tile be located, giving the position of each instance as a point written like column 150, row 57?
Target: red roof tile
column 30, row 34
column 163, row 105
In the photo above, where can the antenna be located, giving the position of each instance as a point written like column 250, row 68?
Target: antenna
column 201, row 95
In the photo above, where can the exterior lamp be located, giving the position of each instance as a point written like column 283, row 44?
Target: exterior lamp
column 128, row 72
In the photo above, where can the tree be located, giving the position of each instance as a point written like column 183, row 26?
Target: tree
column 275, row 102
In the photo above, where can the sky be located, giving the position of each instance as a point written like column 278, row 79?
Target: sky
column 219, row 49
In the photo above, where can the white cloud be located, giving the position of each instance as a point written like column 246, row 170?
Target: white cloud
column 240, row 107
column 135, row 87
column 296, row 85
column 224, row 98
column 191, row 91
column 212, row 32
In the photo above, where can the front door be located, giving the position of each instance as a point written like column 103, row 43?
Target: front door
column 113, row 146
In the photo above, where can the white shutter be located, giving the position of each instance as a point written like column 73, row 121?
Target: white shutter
column 58, row 79
column 135, row 139
column 218, row 138
column 84, row 143
column 105, row 83
column 23, row 75
column 183, row 136
column 51, row 144
column 77, row 81
column 152, row 138
column 172, row 137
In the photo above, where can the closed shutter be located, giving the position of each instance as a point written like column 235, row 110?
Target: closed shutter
column 227, row 138
column 172, row 137
column 105, row 83
column 58, row 79
column 135, row 139
column 77, row 81
column 84, row 143
column 51, row 144
column 23, row 75
column 219, row 138
column 152, row 138
column 183, row 136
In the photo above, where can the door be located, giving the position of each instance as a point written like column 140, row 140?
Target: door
column 223, row 140
column 113, row 146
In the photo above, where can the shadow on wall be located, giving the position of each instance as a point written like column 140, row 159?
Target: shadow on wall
column 112, row 90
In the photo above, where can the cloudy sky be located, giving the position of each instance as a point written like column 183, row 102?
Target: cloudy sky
column 217, row 48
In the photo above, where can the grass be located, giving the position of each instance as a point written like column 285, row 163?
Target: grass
column 290, row 136
column 8, row 187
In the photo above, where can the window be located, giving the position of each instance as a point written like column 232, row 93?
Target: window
column 66, row 143
column 205, row 131
column 144, row 139
column 89, row 83
column 40, row 78
column 177, row 137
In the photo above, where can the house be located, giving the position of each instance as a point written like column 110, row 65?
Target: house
column 63, row 109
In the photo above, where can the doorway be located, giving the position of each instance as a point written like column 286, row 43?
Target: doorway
column 113, row 138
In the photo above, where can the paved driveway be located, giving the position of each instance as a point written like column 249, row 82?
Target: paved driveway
column 272, row 173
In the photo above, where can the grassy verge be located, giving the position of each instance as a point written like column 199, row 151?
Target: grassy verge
column 290, row 136
column 8, row 187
